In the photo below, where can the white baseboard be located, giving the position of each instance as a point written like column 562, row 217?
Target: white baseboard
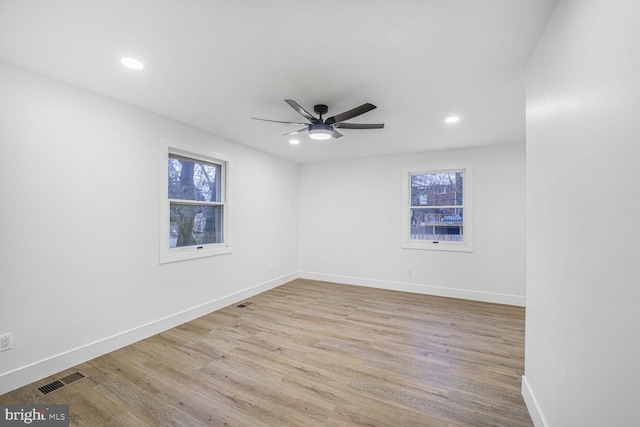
column 532, row 404
column 27, row 374
column 496, row 298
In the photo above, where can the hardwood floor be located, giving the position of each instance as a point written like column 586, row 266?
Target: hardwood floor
column 311, row 354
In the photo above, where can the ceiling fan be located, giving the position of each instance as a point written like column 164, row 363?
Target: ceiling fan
column 320, row 129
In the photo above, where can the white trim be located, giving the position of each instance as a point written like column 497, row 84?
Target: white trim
column 441, row 291
column 532, row 404
column 467, row 244
column 168, row 147
column 36, row 371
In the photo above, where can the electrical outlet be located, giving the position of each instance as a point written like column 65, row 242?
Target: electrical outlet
column 271, row 268
column 410, row 271
column 6, row 342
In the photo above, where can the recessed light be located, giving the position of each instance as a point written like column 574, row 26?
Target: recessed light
column 294, row 141
column 452, row 119
column 132, row 63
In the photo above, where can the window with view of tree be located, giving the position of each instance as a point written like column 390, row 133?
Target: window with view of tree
column 437, row 209
column 195, row 206
column 195, row 200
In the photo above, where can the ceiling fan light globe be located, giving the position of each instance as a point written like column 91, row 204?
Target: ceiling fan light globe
column 319, row 135
column 320, row 131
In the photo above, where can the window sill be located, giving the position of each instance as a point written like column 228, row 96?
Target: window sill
column 193, row 253
column 437, row 246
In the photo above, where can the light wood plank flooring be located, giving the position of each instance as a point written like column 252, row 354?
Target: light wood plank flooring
column 312, row 354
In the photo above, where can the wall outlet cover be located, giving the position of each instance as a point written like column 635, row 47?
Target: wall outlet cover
column 6, row 342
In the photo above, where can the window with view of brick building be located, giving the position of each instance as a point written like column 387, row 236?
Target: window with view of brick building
column 437, row 208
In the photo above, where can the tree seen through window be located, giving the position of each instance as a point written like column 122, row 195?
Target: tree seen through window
column 196, row 209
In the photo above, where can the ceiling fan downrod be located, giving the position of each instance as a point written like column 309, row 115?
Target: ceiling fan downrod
column 320, row 109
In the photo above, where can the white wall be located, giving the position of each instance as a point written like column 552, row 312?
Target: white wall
column 583, row 147
column 80, row 271
column 351, row 226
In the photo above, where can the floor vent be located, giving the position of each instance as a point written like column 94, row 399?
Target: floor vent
column 48, row 388
column 72, row 378
column 58, row 384
column 244, row 304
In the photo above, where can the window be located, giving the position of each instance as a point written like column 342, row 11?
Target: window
column 437, row 208
column 194, row 204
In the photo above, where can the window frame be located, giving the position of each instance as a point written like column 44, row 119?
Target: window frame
column 467, row 205
column 168, row 254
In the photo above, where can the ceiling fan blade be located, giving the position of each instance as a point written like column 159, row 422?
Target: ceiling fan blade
column 359, row 125
column 350, row 114
column 336, row 134
column 302, row 111
column 296, row 132
column 279, row 121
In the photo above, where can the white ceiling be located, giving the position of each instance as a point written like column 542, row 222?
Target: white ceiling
column 213, row 64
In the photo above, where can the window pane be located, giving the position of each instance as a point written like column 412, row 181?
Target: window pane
column 194, row 180
column 442, row 224
column 195, row 225
column 437, row 189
